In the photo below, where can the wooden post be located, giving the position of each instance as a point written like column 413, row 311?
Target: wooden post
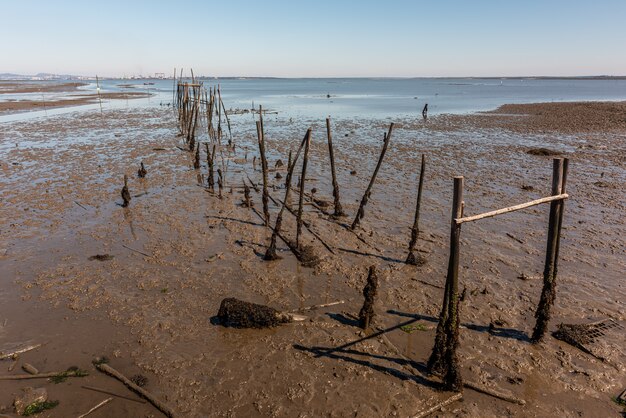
column 443, row 359
column 196, row 160
column 366, row 314
column 261, row 140
column 302, row 180
column 338, row 209
column 270, row 254
column 411, row 258
column 360, row 213
column 549, row 272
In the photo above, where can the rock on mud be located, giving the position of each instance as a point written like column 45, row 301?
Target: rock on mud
column 240, row 314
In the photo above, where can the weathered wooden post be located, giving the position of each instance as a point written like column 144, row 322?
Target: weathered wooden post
column 559, row 175
column 443, row 359
column 270, row 254
column 361, row 212
column 337, row 203
column 411, row 258
column 302, row 180
column 366, row 314
column 125, row 193
column 261, row 140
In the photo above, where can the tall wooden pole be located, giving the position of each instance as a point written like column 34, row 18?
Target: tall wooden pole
column 337, row 203
column 361, row 212
column 549, row 272
column 302, row 180
column 443, row 359
column 411, row 258
column 270, row 254
column 266, row 211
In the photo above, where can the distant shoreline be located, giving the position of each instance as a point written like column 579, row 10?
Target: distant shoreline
column 86, row 79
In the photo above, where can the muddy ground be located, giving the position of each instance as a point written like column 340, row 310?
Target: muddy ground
column 178, row 250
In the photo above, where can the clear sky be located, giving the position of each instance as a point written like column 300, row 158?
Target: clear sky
column 321, row 38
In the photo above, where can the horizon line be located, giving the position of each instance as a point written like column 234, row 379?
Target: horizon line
column 170, row 77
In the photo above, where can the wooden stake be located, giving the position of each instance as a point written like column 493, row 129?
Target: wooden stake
column 338, row 209
column 549, row 273
column 443, row 359
column 411, row 258
column 361, row 213
column 196, row 160
column 302, row 180
column 261, row 141
column 270, row 254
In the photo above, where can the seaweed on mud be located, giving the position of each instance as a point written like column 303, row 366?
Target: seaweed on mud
column 72, row 371
column 140, row 380
column 240, row 314
column 39, row 406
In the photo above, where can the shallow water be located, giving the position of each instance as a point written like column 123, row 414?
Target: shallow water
column 365, row 97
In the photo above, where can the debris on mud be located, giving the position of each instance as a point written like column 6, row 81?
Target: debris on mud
column 545, row 152
column 237, row 313
column 101, row 257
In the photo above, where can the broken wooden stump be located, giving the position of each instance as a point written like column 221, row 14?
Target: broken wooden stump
column 366, row 315
column 141, row 173
column 247, row 201
column 237, row 313
column 125, row 193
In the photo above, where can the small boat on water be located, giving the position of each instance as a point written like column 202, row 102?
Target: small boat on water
column 148, row 84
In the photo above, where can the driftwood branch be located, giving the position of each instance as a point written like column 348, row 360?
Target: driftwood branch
column 536, row 202
column 438, row 406
column 105, row 368
column 68, row 373
column 100, row 405
column 18, row 351
column 128, row 398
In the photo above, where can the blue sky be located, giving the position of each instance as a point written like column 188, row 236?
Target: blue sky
column 315, row 38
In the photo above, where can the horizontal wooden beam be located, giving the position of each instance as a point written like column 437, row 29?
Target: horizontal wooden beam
column 511, row 208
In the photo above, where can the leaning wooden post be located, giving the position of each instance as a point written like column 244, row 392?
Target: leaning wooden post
column 411, row 258
column 549, row 272
column 338, row 209
column 360, row 213
column 261, row 140
column 302, row 180
column 443, row 359
column 270, row 254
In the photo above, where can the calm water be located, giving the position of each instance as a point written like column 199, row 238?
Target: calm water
column 372, row 98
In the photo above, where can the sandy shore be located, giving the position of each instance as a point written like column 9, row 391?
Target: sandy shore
column 15, row 87
column 73, row 97
column 75, row 100
column 178, row 250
